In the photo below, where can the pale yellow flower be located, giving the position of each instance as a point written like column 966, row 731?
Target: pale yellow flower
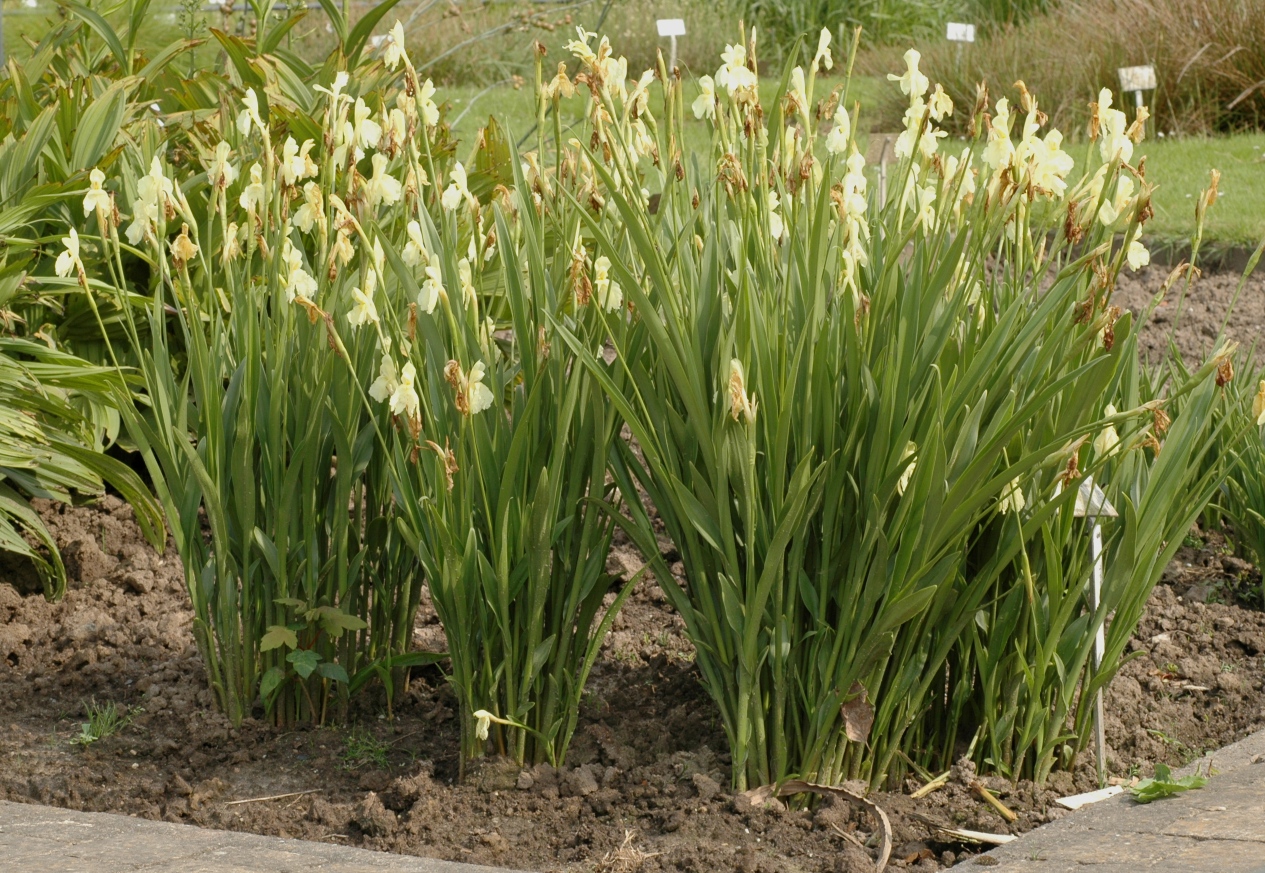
column 253, row 194
column 68, row 261
column 426, row 103
column 840, row 132
column 822, row 60
column 456, row 191
column 905, row 477
column 394, row 51
column 1012, row 499
column 388, row 379
column 404, row 400
column 1258, row 405
column 479, row 394
column 295, row 164
column 249, row 114
column 1108, row 440
column 609, row 295
column 313, row 209
column 1136, row 255
column 704, row 105
column 741, row 404
column 220, row 173
column 97, row 199
column 363, row 311
column 432, row 287
column 415, row 251
column 913, row 82
column 382, row 187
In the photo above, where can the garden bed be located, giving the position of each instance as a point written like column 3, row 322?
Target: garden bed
column 645, row 787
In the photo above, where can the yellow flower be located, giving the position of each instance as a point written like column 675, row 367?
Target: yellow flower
column 580, row 47
column 456, row 190
column 1012, row 499
column 294, row 161
column 220, row 173
column 940, row 103
column 183, row 249
column 1136, row 254
column 609, row 295
column 905, row 477
column 480, row 395
column 363, row 312
column 705, row 103
column 840, row 132
column 735, row 76
column 823, row 60
column 68, row 261
column 1258, row 405
column 253, row 194
column 482, row 722
column 1108, row 440
column 395, row 47
column 432, row 287
column 740, row 403
column 299, row 283
column 1000, row 151
column 426, row 103
column 97, row 199
column 388, row 379
column 250, row 114
column 313, row 209
column 415, row 251
column 777, row 227
column 404, row 400
column 913, row 83
column 382, row 187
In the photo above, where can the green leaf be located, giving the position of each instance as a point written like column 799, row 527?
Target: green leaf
column 333, row 672
column 98, row 126
column 269, row 684
column 278, row 636
column 304, row 661
column 1162, row 784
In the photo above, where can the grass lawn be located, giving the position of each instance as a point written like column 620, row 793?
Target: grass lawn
column 1180, row 168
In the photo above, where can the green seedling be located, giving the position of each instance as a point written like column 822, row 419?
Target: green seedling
column 104, row 720
column 1162, row 784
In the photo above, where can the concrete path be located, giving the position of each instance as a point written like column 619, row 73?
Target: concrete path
column 1219, row 828
column 40, row 839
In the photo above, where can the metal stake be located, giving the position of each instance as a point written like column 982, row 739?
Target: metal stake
column 1092, row 503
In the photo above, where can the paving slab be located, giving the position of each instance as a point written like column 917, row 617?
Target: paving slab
column 1216, row 829
column 42, row 839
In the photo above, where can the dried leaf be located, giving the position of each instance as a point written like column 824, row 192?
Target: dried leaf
column 858, row 714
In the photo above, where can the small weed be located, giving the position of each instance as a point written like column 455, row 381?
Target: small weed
column 1193, row 542
column 1164, row 785
column 364, row 748
column 104, row 720
column 1229, row 668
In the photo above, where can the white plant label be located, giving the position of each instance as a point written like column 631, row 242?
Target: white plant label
column 671, row 26
column 956, row 32
column 1137, row 78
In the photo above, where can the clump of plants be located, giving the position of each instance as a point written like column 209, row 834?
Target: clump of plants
column 372, row 361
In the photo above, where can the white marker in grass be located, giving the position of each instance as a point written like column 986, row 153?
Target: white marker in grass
column 1137, row 80
column 958, row 32
column 671, row 28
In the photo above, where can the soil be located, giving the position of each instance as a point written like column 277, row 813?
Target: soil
column 646, row 783
column 1203, row 310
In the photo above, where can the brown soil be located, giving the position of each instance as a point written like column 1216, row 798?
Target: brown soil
column 1204, row 309
column 645, row 785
